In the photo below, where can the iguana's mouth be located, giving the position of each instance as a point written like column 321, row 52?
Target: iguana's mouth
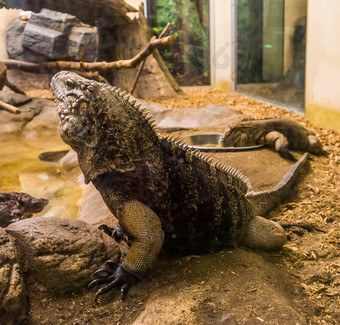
column 71, row 108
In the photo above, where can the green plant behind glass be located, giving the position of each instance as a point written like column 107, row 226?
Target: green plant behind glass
column 188, row 59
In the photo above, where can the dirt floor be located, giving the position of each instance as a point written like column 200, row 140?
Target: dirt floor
column 298, row 285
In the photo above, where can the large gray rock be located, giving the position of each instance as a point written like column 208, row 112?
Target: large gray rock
column 82, row 43
column 13, row 303
column 55, row 20
column 51, row 35
column 61, row 254
column 47, row 33
column 46, row 41
column 15, row 50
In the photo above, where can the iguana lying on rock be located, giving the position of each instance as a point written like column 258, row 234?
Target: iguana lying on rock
column 164, row 193
column 280, row 134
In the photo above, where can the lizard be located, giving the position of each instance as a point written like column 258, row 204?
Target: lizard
column 280, row 134
column 165, row 194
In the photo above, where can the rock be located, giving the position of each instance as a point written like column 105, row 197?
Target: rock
column 55, row 20
column 3, row 70
column 46, row 41
column 36, row 81
column 15, row 50
column 47, row 32
column 47, row 119
column 82, row 43
column 93, row 210
column 61, row 254
column 14, row 99
column 13, row 303
column 51, row 35
column 16, row 122
column 14, row 39
column 16, row 206
column 69, row 162
column 53, row 156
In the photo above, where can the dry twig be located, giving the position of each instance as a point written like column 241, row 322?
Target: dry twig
column 9, row 108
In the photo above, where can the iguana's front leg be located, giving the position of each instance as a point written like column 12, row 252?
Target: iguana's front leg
column 144, row 229
column 280, row 143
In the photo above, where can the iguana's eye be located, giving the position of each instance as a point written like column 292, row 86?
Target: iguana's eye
column 69, row 83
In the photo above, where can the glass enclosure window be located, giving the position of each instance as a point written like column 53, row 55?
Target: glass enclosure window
column 188, row 59
column 271, row 46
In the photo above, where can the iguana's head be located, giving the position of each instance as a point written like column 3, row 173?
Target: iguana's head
column 73, row 94
column 107, row 129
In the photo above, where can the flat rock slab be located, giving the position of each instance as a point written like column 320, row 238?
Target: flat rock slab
column 15, row 50
column 14, row 98
column 10, row 123
column 61, row 254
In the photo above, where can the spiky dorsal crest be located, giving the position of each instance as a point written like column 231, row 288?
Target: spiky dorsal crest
column 132, row 103
column 235, row 177
column 245, row 119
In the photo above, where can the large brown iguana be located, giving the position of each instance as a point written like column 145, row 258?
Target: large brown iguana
column 280, row 134
column 163, row 193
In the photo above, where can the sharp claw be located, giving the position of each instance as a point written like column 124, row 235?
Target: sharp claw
column 107, row 230
column 92, row 284
column 124, row 290
column 97, row 282
column 97, row 296
column 106, row 270
column 119, row 277
column 101, row 274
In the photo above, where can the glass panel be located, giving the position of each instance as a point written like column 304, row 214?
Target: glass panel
column 271, row 44
column 189, row 58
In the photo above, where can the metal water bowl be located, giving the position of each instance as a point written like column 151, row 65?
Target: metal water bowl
column 203, row 139
column 211, row 142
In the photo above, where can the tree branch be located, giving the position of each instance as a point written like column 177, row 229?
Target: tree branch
column 100, row 67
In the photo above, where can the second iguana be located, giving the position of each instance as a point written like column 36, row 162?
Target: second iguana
column 280, row 134
column 164, row 194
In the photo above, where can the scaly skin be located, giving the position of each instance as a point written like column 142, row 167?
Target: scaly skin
column 277, row 133
column 164, row 194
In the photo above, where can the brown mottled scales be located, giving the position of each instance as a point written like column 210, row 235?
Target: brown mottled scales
column 280, row 134
column 164, row 194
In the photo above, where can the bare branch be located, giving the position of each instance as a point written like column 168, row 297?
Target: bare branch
column 100, row 67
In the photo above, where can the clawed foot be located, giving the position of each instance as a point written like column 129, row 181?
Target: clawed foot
column 117, row 233
column 285, row 153
column 112, row 276
column 323, row 153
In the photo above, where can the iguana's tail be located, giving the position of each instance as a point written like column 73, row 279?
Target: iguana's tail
column 265, row 201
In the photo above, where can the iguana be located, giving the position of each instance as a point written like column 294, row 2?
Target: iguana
column 280, row 134
column 163, row 193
